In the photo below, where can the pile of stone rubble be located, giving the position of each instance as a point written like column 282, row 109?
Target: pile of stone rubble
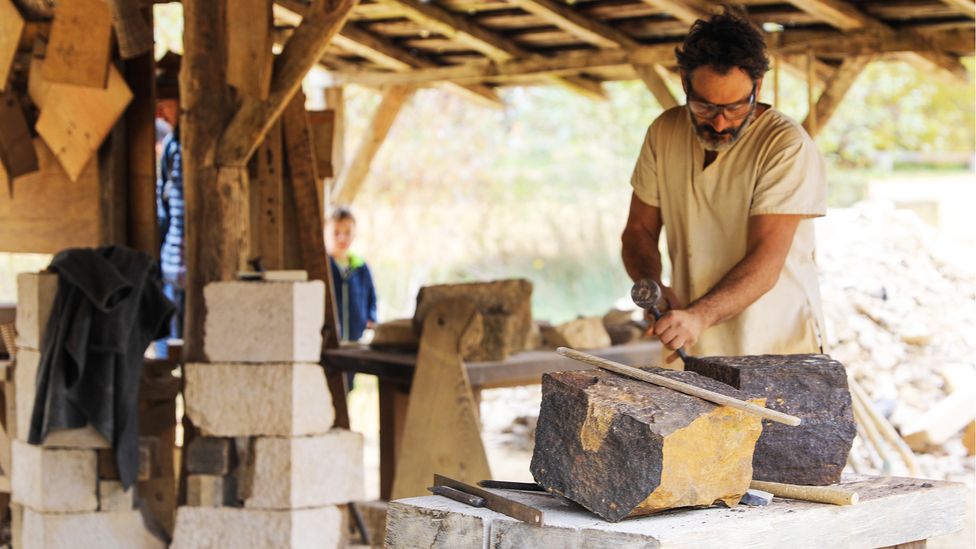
column 900, row 309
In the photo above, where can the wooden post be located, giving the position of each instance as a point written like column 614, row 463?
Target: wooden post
column 249, row 55
column 267, row 202
column 335, row 101
column 352, row 177
column 304, row 183
column 811, row 100
column 834, row 92
column 205, row 104
column 776, row 71
column 140, row 129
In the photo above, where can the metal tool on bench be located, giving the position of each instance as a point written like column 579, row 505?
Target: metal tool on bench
column 834, row 495
column 646, row 293
column 477, row 497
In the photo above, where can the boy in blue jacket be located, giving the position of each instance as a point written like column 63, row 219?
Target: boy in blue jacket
column 355, row 294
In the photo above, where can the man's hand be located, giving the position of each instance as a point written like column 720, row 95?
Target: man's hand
column 679, row 328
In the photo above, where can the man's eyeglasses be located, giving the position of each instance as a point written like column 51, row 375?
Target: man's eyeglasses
column 731, row 111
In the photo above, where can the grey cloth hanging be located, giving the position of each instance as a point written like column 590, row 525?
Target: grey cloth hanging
column 108, row 308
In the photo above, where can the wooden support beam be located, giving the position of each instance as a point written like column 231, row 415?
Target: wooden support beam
column 442, row 432
column 384, row 53
column 304, row 180
column 966, row 7
column 267, row 202
column 686, row 11
column 811, row 122
column 352, row 177
column 494, row 46
column 303, row 50
column 335, row 101
column 209, row 254
column 477, row 71
column 140, row 149
column 792, row 45
column 249, row 55
column 834, row 93
column 657, row 84
column 848, row 18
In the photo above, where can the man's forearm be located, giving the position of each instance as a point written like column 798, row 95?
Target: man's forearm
column 749, row 280
column 642, row 258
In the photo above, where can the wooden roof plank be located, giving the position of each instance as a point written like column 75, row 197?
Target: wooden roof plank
column 386, row 54
column 586, row 28
column 848, row 18
column 306, row 46
column 494, row 46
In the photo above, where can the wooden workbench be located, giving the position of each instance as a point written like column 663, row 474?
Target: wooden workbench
column 395, row 372
column 892, row 512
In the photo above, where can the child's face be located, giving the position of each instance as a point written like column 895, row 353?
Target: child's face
column 343, row 233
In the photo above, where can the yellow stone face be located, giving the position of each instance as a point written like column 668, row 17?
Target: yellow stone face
column 714, row 450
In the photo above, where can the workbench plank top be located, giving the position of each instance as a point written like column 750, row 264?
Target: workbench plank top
column 519, row 369
column 891, row 511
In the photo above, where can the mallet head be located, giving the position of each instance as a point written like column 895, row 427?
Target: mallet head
column 646, row 294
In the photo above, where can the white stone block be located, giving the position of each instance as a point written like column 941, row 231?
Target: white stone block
column 288, row 473
column 113, row 530
column 210, row 527
column 264, row 321
column 113, row 497
column 226, row 400
column 35, row 299
column 25, row 376
column 53, row 479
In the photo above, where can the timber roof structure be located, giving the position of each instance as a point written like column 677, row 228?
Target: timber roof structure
column 479, row 44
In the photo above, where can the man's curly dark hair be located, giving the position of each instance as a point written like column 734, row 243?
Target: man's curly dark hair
column 724, row 41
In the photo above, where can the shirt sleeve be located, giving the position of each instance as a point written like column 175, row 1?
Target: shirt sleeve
column 644, row 179
column 792, row 179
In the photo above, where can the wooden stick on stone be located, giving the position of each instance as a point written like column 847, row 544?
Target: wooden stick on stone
column 685, row 388
column 819, row 494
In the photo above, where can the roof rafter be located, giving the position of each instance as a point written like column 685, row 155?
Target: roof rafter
column 579, row 25
column 848, row 18
column 689, row 11
column 383, row 53
column 494, row 46
column 967, row 7
column 567, row 63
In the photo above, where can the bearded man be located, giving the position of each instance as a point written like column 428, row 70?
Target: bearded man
column 735, row 185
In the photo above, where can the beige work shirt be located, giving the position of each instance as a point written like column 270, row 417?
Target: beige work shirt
column 774, row 168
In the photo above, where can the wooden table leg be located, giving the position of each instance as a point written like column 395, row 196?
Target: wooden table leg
column 393, row 415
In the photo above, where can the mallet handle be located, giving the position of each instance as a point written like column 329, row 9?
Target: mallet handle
column 675, row 385
column 819, row 494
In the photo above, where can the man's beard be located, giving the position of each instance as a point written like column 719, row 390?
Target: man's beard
column 712, row 140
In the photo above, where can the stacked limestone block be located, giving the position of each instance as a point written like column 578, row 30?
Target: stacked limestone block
column 268, row 469
column 60, row 499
